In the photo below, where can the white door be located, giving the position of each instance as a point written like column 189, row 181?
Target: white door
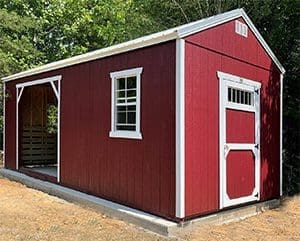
column 239, row 139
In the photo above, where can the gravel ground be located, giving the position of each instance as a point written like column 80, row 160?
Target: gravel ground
column 28, row 214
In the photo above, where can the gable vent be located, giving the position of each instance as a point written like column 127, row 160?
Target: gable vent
column 241, row 28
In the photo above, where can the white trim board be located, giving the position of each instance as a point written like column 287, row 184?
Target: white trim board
column 160, row 37
column 57, row 92
column 4, row 100
column 180, row 129
column 281, row 132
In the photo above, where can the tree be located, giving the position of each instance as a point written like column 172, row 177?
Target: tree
column 33, row 32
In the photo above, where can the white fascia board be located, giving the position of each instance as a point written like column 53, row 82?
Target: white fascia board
column 209, row 22
column 98, row 54
column 262, row 41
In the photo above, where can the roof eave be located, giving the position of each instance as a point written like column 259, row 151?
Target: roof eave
column 101, row 53
column 156, row 38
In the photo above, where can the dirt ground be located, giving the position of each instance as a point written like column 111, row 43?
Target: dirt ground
column 28, row 214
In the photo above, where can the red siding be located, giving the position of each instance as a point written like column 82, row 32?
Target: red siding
column 240, row 126
column 138, row 173
column 221, row 49
column 240, row 173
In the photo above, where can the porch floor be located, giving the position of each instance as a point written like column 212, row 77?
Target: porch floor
column 47, row 170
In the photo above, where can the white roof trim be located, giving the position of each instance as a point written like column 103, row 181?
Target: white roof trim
column 170, row 34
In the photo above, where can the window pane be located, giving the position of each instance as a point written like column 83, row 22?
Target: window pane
column 121, row 101
column 131, row 107
column 121, row 108
column 121, row 84
column 229, row 94
column 131, row 93
column 233, row 95
column 121, row 94
column 131, row 117
column 121, row 117
column 131, row 82
column 243, row 97
column 238, row 96
column 125, row 128
column 131, row 100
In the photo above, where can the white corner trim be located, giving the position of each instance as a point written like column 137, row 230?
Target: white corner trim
column 4, row 100
column 123, row 74
column 57, row 92
column 180, row 128
column 281, row 133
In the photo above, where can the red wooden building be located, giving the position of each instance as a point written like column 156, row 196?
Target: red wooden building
column 179, row 123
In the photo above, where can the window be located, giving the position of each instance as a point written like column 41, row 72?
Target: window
column 125, row 102
column 239, row 96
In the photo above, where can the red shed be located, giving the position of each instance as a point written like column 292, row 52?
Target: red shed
column 180, row 123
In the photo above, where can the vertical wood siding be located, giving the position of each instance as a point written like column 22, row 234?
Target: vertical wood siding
column 240, row 126
column 221, row 49
column 137, row 173
column 240, row 174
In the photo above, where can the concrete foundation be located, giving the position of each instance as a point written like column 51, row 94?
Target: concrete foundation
column 139, row 218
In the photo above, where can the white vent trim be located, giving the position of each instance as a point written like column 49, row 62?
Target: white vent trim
column 241, row 28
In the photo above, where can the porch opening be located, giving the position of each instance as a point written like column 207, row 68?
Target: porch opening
column 38, row 116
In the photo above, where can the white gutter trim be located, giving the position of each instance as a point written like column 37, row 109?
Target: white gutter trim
column 281, row 133
column 180, row 128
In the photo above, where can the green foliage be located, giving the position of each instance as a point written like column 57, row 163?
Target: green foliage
column 17, row 50
column 33, row 32
column 52, row 119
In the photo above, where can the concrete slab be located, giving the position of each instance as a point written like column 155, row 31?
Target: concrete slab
column 139, row 218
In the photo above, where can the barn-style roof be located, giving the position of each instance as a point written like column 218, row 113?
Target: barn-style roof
column 160, row 37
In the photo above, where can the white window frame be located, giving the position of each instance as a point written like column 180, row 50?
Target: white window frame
column 114, row 133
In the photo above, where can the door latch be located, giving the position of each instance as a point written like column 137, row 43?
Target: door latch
column 256, row 195
column 257, row 146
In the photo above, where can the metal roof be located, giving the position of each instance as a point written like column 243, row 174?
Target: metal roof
column 160, row 37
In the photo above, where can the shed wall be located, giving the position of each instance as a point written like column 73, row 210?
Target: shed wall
column 137, row 173
column 221, row 49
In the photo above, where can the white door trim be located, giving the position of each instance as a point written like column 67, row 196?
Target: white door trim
column 226, row 80
column 57, row 91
